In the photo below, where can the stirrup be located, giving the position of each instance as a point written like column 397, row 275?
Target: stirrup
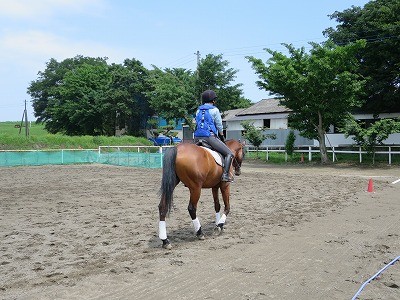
column 226, row 178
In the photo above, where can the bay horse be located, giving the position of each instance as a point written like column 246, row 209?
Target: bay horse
column 196, row 168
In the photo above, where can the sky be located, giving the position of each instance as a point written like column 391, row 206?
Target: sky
column 166, row 34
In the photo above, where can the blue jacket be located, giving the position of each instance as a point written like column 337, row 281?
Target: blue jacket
column 208, row 121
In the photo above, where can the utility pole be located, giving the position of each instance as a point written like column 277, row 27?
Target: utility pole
column 197, row 71
column 117, row 129
column 198, row 61
column 24, row 118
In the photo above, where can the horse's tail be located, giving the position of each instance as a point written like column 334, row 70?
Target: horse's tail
column 169, row 178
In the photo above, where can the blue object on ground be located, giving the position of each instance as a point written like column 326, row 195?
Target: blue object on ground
column 165, row 140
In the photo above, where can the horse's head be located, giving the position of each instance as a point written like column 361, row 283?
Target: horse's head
column 237, row 148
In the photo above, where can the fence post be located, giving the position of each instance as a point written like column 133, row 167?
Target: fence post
column 333, row 154
column 267, row 156
column 62, row 156
column 359, row 149
column 309, row 153
column 390, row 156
column 160, row 151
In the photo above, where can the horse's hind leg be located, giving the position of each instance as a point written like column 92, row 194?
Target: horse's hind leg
column 217, row 206
column 192, row 208
column 218, row 228
column 162, row 226
column 225, row 190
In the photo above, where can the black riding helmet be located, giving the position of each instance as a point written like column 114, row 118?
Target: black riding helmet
column 208, row 96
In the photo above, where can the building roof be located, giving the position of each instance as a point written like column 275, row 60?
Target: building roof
column 231, row 114
column 265, row 106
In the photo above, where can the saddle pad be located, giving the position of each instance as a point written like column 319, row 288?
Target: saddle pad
column 215, row 154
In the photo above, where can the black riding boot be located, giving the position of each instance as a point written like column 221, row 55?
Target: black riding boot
column 227, row 166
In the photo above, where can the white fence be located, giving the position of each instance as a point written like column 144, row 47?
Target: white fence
column 309, row 150
column 138, row 149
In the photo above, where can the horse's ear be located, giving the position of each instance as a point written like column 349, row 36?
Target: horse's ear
column 243, row 143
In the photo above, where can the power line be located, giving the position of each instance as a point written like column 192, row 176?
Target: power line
column 228, row 52
column 186, row 62
column 182, row 60
column 263, row 46
column 11, row 106
column 260, row 49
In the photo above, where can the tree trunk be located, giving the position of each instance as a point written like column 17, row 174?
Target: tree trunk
column 321, row 139
column 373, row 155
column 322, row 148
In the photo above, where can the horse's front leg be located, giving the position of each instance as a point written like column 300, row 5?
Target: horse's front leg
column 192, row 208
column 225, row 191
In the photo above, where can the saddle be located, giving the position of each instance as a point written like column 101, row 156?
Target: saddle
column 218, row 157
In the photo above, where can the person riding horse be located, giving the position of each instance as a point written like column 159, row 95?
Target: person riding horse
column 209, row 129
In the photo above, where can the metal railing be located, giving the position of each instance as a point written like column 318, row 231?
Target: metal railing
column 309, row 150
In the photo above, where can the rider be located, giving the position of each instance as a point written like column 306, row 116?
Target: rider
column 209, row 128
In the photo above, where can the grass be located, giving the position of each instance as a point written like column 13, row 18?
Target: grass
column 12, row 138
column 279, row 158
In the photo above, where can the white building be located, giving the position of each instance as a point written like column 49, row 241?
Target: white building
column 265, row 113
column 270, row 114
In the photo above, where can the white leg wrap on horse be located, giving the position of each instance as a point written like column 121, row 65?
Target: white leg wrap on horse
column 222, row 219
column 196, row 224
column 217, row 217
column 162, row 230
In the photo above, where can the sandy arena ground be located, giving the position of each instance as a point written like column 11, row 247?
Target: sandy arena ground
column 300, row 232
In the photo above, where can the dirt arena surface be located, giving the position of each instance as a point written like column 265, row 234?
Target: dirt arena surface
column 300, row 232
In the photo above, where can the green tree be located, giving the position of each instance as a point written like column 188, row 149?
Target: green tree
column 373, row 136
column 214, row 73
column 289, row 145
column 255, row 135
column 128, row 95
column 84, row 95
column 320, row 87
column 172, row 94
column 175, row 93
column 45, row 89
column 378, row 22
column 81, row 107
column 69, row 96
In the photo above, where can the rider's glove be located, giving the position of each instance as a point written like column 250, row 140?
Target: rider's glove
column 221, row 137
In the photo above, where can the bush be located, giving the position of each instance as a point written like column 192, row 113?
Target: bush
column 289, row 146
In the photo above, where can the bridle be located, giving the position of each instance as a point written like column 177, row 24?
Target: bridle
column 236, row 164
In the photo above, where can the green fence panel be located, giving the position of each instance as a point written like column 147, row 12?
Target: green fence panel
column 119, row 158
column 10, row 159
column 132, row 159
column 44, row 158
column 79, row 156
column 38, row 158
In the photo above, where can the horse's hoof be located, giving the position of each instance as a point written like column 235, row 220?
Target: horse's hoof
column 166, row 244
column 217, row 230
column 201, row 237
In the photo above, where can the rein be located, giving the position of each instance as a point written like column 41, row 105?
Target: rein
column 236, row 164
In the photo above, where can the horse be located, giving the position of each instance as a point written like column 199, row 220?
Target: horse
column 196, row 168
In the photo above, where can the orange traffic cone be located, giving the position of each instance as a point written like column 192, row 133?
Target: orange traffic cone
column 370, row 186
